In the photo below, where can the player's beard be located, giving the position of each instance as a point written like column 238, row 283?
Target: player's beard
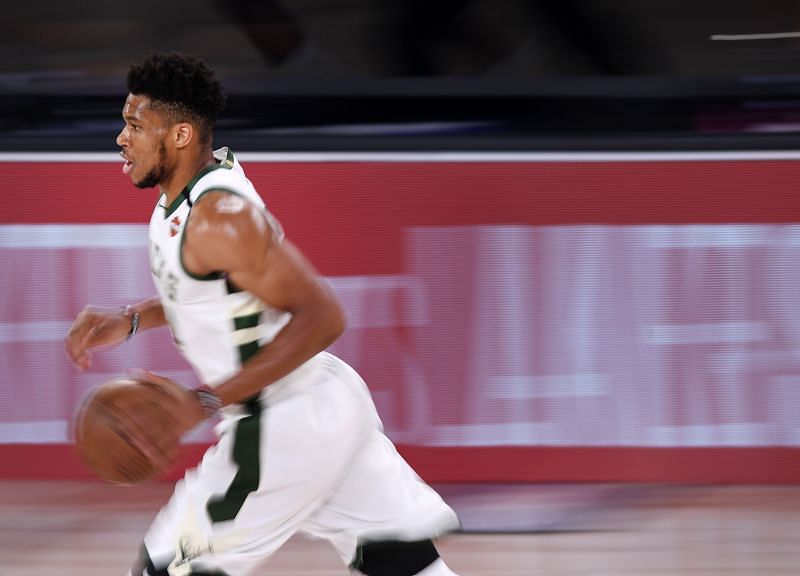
column 157, row 173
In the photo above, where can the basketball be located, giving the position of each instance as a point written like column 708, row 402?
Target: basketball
column 100, row 424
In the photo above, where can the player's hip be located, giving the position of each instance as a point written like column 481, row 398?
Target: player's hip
column 321, row 376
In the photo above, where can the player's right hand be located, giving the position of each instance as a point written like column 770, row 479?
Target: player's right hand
column 95, row 327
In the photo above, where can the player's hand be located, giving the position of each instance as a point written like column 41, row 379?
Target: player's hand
column 148, row 426
column 156, row 428
column 185, row 411
column 95, row 327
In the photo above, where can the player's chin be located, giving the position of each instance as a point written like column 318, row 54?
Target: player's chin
column 146, row 182
column 136, row 178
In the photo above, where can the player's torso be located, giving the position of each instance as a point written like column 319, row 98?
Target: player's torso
column 215, row 325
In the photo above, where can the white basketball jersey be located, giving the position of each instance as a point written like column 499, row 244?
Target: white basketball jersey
column 216, row 326
column 310, row 457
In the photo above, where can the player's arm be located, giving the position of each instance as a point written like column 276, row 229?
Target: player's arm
column 226, row 233
column 106, row 327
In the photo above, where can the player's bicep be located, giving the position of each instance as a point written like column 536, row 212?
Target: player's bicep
column 225, row 233
column 245, row 245
column 283, row 278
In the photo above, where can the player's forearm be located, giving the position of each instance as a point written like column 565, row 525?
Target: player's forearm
column 308, row 333
column 151, row 313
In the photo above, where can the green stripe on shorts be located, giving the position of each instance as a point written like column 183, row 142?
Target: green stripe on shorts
column 247, row 456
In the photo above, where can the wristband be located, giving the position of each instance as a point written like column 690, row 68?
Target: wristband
column 209, row 400
column 128, row 311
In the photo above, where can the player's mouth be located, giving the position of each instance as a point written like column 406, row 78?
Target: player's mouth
column 127, row 165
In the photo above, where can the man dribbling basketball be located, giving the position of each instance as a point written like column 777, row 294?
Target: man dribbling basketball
column 300, row 445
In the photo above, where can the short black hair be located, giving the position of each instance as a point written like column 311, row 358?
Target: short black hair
column 182, row 86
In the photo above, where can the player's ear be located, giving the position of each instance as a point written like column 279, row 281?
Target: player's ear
column 183, row 134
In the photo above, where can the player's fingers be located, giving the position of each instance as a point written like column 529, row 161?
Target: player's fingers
column 88, row 338
column 79, row 356
column 74, row 353
column 89, row 329
column 128, row 430
column 79, row 350
column 75, row 338
column 178, row 401
column 161, row 427
column 101, row 332
column 147, row 435
column 154, row 378
column 174, row 390
column 84, row 361
column 92, row 327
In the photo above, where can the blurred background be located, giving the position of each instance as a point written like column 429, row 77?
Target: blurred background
column 421, row 75
column 566, row 234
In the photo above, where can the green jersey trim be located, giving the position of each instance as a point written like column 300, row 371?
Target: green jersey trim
column 169, row 210
column 229, row 160
column 227, row 164
column 181, row 198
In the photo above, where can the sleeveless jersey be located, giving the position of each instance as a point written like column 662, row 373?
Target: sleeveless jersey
column 215, row 325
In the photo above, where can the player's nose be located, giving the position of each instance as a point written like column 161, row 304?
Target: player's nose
column 122, row 137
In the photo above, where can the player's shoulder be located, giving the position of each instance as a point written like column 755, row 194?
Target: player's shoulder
column 225, row 203
column 226, row 231
column 222, row 213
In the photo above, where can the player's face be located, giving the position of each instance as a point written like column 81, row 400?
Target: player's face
column 142, row 140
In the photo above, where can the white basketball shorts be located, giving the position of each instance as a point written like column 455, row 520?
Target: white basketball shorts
column 310, row 458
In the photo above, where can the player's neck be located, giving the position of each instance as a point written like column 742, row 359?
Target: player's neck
column 183, row 174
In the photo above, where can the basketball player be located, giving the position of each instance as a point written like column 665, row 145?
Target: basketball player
column 300, row 446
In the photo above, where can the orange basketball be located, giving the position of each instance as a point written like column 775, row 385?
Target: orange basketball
column 99, row 430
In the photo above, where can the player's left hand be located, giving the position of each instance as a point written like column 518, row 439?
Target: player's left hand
column 181, row 403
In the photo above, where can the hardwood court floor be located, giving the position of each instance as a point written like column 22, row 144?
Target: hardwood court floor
column 90, row 529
